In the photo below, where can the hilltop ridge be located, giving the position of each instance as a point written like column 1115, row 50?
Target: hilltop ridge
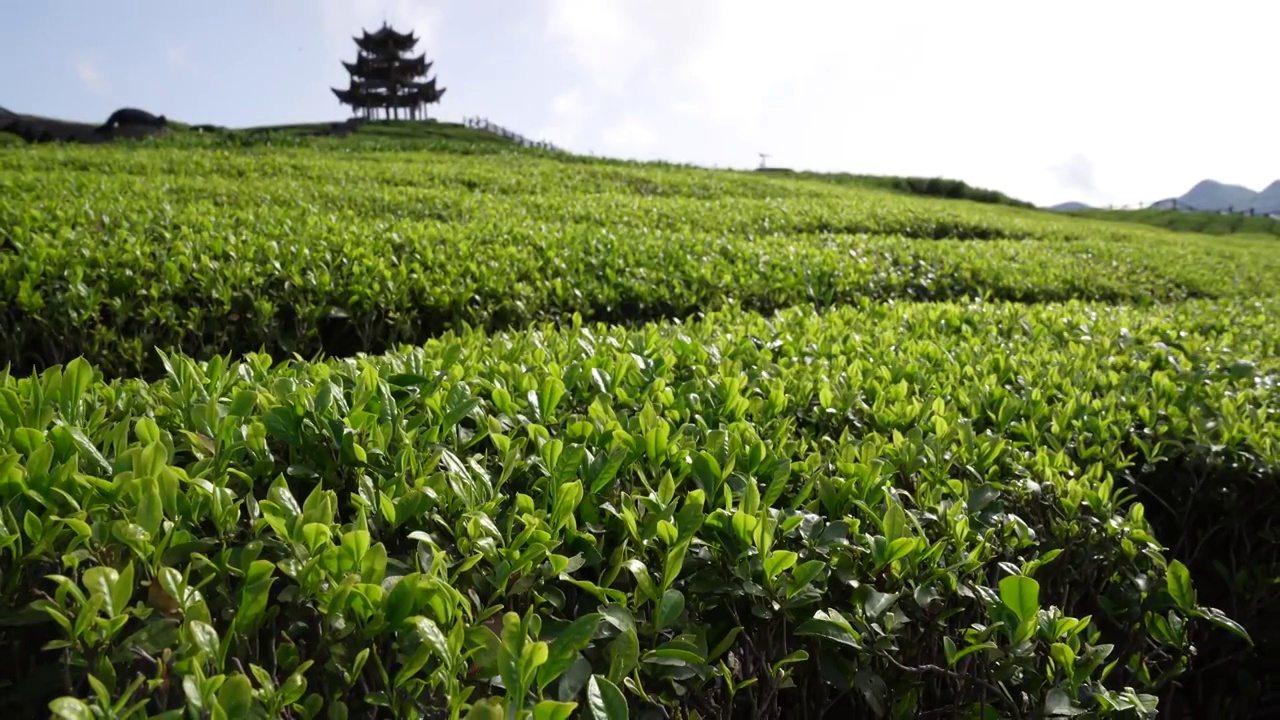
column 409, row 134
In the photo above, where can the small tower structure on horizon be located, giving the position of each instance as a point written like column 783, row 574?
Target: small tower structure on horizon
column 386, row 78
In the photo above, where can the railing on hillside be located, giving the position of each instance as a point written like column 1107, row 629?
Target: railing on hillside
column 492, row 127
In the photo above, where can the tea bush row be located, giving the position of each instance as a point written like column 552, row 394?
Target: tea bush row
column 887, row 510
column 107, row 253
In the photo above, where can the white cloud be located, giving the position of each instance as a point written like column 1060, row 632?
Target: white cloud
column 1076, row 175
column 569, row 115
column 1156, row 94
column 91, row 76
column 620, row 44
column 568, row 103
column 630, row 136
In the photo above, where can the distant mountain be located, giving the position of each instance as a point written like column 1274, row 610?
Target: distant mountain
column 1209, row 196
column 1213, row 195
column 1266, row 202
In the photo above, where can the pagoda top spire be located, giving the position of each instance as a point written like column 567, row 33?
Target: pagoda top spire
column 385, row 39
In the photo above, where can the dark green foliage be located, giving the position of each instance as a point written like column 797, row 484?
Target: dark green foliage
column 112, row 252
column 368, row 136
column 1219, row 512
column 886, row 511
column 1198, row 222
column 897, row 496
column 922, row 186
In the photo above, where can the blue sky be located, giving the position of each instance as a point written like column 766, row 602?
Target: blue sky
column 1108, row 101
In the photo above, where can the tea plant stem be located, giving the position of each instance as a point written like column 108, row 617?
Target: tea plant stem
column 964, row 679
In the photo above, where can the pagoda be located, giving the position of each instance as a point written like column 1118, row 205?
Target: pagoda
column 386, row 77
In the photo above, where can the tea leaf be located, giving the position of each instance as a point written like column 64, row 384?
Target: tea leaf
column 1178, row 581
column 1021, row 595
column 605, row 701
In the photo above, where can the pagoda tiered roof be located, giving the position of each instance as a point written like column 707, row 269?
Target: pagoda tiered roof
column 389, row 94
column 374, row 68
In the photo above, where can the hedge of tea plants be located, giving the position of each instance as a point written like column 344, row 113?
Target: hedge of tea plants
column 893, row 510
column 107, row 253
column 945, row 480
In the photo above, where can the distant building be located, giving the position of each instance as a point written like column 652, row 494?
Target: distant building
column 386, row 78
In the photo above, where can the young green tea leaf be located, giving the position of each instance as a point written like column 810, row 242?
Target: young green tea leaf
column 565, row 649
column 1178, row 581
column 605, row 701
column 1021, row 595
column 554, row 710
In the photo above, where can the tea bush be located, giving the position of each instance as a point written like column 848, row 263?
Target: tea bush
column 109, row 252
column 679, row 443
column 888, row 509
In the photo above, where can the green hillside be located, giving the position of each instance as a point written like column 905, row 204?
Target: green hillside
column 414, row 422
column 118, row 252
column 438, row 135
column 1196, row 222
column 457, row 137
column 369, row 135
column 925, row 186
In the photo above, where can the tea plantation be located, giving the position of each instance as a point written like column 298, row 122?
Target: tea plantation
column 354, row 428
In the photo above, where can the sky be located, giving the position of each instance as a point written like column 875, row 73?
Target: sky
column 1102, row 101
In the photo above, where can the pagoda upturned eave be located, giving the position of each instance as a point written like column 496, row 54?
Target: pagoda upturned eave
column 385, row 39
column 385, row 32
column 415, row 93
column 391, row 85
column 405, row 67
